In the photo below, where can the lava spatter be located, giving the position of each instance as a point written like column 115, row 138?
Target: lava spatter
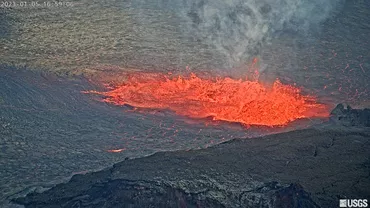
column 225, row 99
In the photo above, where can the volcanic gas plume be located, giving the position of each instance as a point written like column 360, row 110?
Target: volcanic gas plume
column 225, row 99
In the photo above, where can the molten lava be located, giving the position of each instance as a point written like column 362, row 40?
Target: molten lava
column 116, row 150
column 226, row 99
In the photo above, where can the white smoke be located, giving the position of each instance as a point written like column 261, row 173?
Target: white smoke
column 239, row 28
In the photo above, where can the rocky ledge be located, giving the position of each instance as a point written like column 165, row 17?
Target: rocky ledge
column 350, row 116
column 306, row 168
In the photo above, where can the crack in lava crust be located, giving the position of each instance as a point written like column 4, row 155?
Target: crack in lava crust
column 226, row 99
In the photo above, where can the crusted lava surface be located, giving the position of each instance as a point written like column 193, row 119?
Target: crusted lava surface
column 304, row 168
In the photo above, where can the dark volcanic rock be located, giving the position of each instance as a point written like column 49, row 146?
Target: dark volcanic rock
column 124, row 193
column 351, row 117
column 240, row 173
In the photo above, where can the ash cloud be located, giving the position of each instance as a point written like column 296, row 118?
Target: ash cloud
column 238, row 29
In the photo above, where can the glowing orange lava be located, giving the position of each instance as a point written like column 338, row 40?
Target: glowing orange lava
column 116, row 150
column 226, row 99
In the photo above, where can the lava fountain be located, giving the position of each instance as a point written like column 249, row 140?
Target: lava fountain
column 224, row 99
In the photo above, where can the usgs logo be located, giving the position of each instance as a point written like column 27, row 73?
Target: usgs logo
column 353, row 203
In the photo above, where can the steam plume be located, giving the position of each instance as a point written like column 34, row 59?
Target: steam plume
column 238, row 28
